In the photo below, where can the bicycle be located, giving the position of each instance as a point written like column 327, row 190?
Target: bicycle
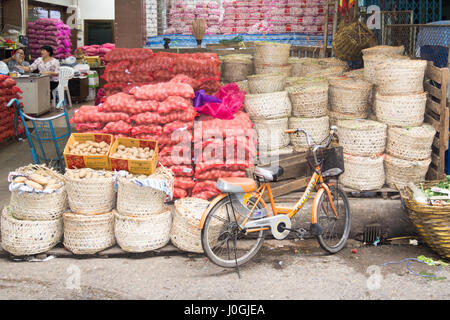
column 240, row 215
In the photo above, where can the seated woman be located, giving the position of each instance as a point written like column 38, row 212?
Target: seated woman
column 17, row 62
column 46, row 65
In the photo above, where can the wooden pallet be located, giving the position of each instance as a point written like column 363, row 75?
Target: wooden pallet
column 437, row 114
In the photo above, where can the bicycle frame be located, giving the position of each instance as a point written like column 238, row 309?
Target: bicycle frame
column 316, row 180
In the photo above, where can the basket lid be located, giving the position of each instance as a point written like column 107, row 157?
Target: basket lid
column 345, row 116
column 271, row 44
column 237, row 57
column 383, row 49
column 266, row 75
column 402, row 63
column 426, row 130
column 349, row 83
column 406, row 163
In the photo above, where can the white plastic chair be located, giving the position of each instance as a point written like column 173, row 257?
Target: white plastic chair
column 65, row 74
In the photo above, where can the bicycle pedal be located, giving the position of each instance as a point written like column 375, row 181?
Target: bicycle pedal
column 301, row 233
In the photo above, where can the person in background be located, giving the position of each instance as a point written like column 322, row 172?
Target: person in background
column 46, row 65
column 17, row 61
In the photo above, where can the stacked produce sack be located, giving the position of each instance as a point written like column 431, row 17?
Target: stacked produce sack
column 8, row 91
column 151, row 15
column 181, row 16
column 128, row 68
column 400, row 103
column 222, row 148
column 274, row 16
column 98, row 50
column 32, row 222
column 49, row 32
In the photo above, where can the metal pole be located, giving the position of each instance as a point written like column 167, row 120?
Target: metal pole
column 335, row 18
column 325, row 36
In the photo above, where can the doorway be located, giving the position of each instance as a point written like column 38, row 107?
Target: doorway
column 98, row 32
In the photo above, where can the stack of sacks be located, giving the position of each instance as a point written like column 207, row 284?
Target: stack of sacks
column 171, row 124
column 128, row 68
column 49, row 32
column 246, row 17
column 222, row 148
column 400, row 103
column 151, row 14
column 98, row 50
column 182, row 16
column 8, row 91
column 308, row 16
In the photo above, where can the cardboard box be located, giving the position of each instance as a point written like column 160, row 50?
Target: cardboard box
column 94, row 61
column 146, row 167
column 94, row 162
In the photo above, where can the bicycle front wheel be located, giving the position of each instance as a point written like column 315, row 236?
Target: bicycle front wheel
column 335, row 229
column 224, row 243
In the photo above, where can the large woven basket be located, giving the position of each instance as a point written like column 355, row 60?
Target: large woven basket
column 91, row 195
column 412, row 143
column 141, row 201
column 358, row 73
column 362, row 137
column 371, row 61
column 330, row 72
column 349, row 95
column 236, row 67
column 39, row 206
column 271, row 53
column 336, row 117
column 363, row 173
column 145, row 233
column 401, row 110
column 383, row 49
column 88, row 234
column 400, row 172
column 333, row 62
column 302, row 67
column 432, row 221
column 265, row 69
column 187, row 215
column 318, row 129
column 350, row 39
column 22, row 237
column 395, row 77
column 268, row 105
column 266, row 83
column 309, row 100
column 271, row 133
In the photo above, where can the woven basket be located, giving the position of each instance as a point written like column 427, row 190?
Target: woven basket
column 432, row 221
column 358, row 74
column 143, row 234
column 243, row 85
column 402, row 110
column 362, row 137
column 336, row 117
column 138, row 201
column 187, row 215
column 39, row 206
column 318, row 129
column 88, row 234
column 91, row 195
column 268, row 105
column 271, row 53
column 332, row 62
column 350, row 39
column 273, row 155
column 266, row 69
column 400, row 172
column 349, row 95
column 302, row 67
column 309, row 100
column 236, row 67
column 271, row 133
column 383, row 49
column 398, row 77
column 330, row 72
column 363, row 173
column 266, row 83
column 410, row 143
column 22, row 237
column 371, row 61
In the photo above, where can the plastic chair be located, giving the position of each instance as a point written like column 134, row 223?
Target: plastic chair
column 65, row 74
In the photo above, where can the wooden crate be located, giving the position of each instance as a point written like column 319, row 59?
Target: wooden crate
column 437, row 114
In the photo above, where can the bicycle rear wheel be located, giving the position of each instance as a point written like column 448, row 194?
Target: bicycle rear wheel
column 223, row 242
column 335, row 229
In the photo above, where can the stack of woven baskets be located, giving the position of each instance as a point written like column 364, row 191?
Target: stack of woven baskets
column 89, row 226
column 142, row 221
column 307, row 67
column 32, row 223
column 400, row 103
column 309, row 100
column 267, row 102
column 364, row 142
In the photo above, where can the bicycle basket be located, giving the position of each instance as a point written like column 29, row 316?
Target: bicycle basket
column 331, row 160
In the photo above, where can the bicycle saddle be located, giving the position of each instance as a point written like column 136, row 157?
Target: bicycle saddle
column 236, row 185
column 269, row 174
